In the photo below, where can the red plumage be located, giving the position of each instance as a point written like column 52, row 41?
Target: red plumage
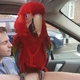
column 32, row 49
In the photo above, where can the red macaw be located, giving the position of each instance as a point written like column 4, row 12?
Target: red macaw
column 31, row 41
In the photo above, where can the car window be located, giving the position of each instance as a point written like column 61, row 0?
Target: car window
column 8, row 22
column 72, row 10
column 64, row 46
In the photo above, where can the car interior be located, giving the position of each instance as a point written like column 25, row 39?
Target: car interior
column 66, row 60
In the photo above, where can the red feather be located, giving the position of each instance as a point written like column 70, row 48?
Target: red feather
column 32, row 50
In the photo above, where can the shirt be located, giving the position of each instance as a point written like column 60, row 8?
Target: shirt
column 8, row 64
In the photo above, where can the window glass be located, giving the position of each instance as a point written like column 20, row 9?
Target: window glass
column 2, row 24
column 64, row 46
column 11, row 26
column 8, row 22
column 72, row 10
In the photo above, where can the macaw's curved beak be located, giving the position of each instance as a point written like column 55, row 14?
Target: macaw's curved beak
column 38, row 23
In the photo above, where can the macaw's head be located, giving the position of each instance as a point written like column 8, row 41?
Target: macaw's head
column 32, row 15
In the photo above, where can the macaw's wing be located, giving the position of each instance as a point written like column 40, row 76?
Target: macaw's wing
column 50, row 52
column 16, row 46
column 49, row 46
column 15, row 52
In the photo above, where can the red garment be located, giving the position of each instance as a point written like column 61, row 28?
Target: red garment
column 32, row 49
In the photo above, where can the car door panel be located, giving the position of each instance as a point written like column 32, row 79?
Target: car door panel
column 65, row 66
column 55, row 65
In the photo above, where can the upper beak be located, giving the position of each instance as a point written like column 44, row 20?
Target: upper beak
column 38, row 23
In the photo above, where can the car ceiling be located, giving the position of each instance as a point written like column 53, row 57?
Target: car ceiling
column 14, row 5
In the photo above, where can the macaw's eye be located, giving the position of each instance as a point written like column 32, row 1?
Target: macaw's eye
column 29, row 16
column 26, row 15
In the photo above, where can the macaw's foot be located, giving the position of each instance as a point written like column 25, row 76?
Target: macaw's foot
column 41, row 75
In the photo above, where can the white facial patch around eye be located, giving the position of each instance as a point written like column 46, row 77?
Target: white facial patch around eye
column 28, row 19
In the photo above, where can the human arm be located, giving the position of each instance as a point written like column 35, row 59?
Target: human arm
column 47, row 76
column 61, row 76
column 31, row 76
column 9, row 77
